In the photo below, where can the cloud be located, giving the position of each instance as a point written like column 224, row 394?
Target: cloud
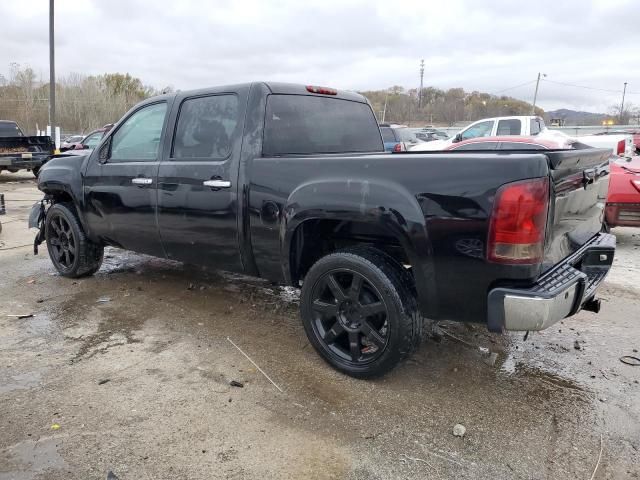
column 349, row 44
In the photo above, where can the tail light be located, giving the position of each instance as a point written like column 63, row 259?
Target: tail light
column 518, row 222
column 622, row 147
column 636, row 183
column 399, row 147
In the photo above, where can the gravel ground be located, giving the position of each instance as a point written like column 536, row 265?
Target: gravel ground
column 128, row 372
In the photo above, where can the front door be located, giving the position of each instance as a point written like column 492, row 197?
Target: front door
column 121, row 179
column 197, row 190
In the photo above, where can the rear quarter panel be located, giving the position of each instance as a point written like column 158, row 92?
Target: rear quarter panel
column 437, row 204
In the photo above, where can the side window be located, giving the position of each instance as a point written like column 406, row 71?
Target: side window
column 93, row 140
column 535, row 126
column 138, row 138
column 205, row 127
column 482, row 129
column 513, row 126
column 477, row 146
column 387, row 135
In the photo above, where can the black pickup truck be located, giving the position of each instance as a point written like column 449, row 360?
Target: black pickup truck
column 20, row 152
column 291, row 183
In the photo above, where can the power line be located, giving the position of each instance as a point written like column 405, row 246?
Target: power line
column 588, row 88
column 514, row 87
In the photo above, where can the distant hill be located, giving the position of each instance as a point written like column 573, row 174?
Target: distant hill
column 573, row 117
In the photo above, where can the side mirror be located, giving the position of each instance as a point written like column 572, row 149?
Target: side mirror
column 457, row 138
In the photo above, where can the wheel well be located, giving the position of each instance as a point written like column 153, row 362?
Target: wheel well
column 60, row 196
column 314, row 239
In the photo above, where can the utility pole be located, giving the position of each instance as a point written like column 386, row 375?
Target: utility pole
column 624, row 91
column 535, row 95
column 384, row 110
column 52, row 71
column 421, row 84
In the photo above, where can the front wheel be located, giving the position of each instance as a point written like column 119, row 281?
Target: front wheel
column 359, row 311
column 71, row 252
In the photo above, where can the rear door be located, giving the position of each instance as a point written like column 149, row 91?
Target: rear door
column 197, row 180
column 120, row 182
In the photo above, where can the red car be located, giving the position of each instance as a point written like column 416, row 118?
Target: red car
column 512, row 143
column 623, row 202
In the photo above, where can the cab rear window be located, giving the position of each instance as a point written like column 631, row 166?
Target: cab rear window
column 305, row 124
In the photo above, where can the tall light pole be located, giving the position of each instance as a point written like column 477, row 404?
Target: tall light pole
column 535, row 95
column 52, row 71
column 421, row 84
column 624, row 91
column 384, row 110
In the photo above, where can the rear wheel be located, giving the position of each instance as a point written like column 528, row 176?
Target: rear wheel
column 359, row 311
column 71, row 252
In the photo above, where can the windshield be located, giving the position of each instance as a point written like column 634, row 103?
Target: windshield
column 10, row 129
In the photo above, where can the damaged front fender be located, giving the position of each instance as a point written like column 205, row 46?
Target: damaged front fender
column 36, row 220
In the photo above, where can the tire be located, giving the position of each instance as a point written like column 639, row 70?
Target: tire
column 359, row 310
column 71, row 252
column 35, row 171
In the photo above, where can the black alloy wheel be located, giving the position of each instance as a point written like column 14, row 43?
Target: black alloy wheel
column 359, row 311
column 71, row 252
column 350, row 316
column 62, row 241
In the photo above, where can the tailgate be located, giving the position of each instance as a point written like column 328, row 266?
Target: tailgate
column 580, row 180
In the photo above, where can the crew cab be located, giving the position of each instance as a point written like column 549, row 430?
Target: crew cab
column 291, row 183
column 522, row 125
column 21, row 152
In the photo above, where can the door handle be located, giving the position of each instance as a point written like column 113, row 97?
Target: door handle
column 217, row 183
column 142, row 181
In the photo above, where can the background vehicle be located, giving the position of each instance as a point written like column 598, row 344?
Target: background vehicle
column 623, row 202
column 514, row 143
column 490, row 127
column 70, row 142
column 291, row 183
column 89, row 142
column 636, row 139
column 399, row 139
column 621, row 142
column 439, row 134
column 19, row 152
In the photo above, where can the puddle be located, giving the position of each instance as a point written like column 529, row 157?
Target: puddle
column 21, row 381
column 30, row 459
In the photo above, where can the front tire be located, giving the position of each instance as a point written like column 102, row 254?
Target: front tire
column 71, row 252
column 359, row 312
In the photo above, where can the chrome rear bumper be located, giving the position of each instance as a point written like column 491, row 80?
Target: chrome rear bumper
column 559, row 293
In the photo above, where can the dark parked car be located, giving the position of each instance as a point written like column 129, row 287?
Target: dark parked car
column 292, row 183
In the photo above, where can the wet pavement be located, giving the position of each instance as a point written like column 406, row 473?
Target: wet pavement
column 128, row 371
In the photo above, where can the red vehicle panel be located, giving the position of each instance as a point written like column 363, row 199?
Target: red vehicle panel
column 623, row 202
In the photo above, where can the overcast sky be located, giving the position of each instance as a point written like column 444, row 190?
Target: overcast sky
column 351, row 44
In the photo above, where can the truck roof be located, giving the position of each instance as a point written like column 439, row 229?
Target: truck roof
column 278, row 88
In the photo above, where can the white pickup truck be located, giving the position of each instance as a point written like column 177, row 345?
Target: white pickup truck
column 489, row 127
column 528, row 125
